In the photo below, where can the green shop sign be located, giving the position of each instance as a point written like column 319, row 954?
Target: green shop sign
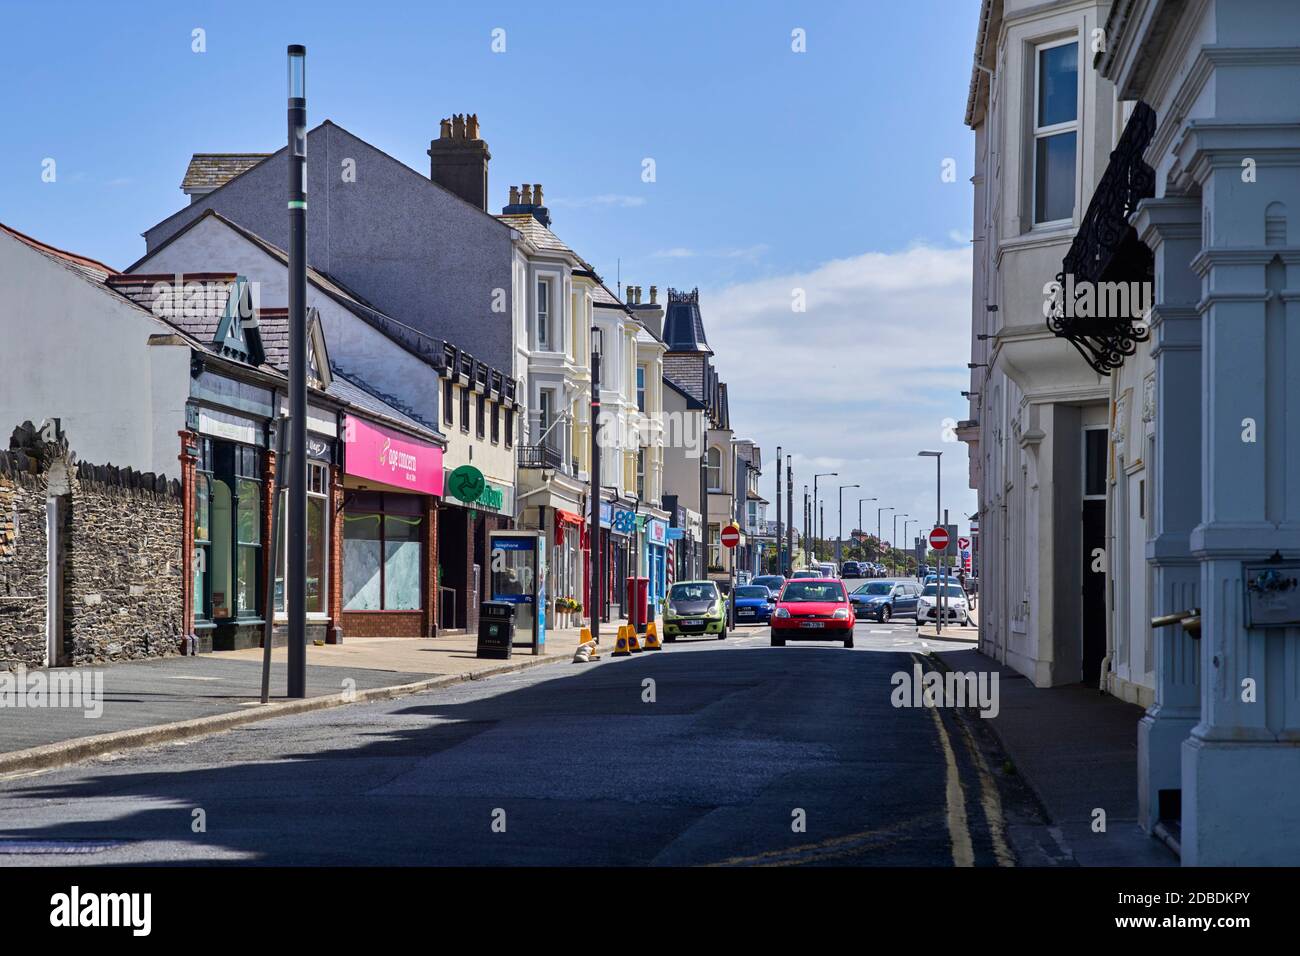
column 468, row 484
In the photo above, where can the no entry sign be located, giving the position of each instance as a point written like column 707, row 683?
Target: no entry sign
column 939, row 539
column 730, row 536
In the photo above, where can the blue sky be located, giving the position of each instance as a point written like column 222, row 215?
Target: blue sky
column 769, row 164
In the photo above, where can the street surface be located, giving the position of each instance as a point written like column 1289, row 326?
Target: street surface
column 748, row 754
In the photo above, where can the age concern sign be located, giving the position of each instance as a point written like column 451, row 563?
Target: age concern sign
column 388, row 457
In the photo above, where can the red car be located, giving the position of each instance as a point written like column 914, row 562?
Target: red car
column 813, row 609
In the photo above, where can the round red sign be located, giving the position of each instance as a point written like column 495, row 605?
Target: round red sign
column 939, row 539
column 730, row 536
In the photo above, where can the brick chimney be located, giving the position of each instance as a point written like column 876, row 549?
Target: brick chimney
column 458, row 159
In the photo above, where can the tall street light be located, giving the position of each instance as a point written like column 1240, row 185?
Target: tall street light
column 878, row 539
column 296, row 480
column 595, row 586
column 860, row 500
column 839, row 540
column 817, row 502
column 938, row 519
column 893, row 545
column 905, row 524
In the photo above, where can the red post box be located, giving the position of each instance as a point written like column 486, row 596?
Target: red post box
column 638, row 602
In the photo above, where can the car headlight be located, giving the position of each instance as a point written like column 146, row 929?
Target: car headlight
column 841, row 614
column 781, row 612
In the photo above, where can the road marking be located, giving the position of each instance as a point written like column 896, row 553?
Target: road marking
column 990, row 799
column 963, row 853
column 826, row 849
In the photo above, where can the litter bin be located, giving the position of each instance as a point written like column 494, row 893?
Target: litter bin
column 496, row 629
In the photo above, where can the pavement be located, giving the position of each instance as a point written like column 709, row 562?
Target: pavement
column 1076, row 749
column 146, row 695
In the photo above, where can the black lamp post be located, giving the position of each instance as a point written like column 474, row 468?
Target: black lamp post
column 296, row 479
column 596, row 587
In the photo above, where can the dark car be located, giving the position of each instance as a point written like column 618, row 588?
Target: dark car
column 773, row 582
column 882, row 600
column 853, row 569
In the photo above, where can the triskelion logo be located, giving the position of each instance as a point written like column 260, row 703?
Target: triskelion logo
column 72, row 909
column 383, row 452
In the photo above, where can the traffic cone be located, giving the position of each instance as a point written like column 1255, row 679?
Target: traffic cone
column 633, row 644
column 652, row 637
column 621, row 647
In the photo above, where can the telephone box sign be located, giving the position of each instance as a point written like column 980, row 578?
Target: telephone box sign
column 386, row 456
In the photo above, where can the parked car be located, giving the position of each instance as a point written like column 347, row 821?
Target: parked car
column 805, row 573
column 694, row 607
column 956, row 604
column 753, row 604
column 773, row 582
column 828, row 569
column 883, row 600
column 855, row 569
column 813, row 609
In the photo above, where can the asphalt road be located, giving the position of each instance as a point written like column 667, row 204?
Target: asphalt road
column 746, row 754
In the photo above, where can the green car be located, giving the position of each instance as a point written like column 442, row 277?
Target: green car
column 694, row 607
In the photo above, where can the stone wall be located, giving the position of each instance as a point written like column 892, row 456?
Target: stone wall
column 122, row 573
column 22, row 562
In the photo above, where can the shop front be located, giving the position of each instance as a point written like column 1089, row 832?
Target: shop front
column 473, row 507
column 392, row 481
column 656, row 538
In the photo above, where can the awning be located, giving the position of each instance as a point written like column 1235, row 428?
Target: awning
column 1108, row 267
column 563, row 518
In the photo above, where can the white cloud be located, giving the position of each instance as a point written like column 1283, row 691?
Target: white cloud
column 857, row 383
column 748, row 253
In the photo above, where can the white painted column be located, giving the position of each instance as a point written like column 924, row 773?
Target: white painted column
column 1241, row 764
column 1171, row 228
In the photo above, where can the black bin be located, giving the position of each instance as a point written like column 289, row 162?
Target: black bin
column 496, row 629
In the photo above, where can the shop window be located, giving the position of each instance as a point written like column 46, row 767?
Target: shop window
column 318, row 486
column 248, row 530
column 383, row 552
column 202, row 529
column 227, row 531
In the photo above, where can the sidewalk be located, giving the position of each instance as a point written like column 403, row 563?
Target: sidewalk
column 1076, row 749
column 143, row 698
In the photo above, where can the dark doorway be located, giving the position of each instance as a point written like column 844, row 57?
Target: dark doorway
column 1094, row 589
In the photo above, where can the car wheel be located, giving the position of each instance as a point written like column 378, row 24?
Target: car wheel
column 669, row 638
column 885, row 614
column 848, row 643
column 778, row 642
column 723, row 635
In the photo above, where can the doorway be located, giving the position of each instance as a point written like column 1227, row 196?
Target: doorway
column 1095, row 562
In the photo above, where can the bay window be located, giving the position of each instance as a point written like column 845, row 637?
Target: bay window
column 1056, row 124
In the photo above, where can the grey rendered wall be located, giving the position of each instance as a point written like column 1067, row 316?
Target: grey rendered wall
column 416, row 251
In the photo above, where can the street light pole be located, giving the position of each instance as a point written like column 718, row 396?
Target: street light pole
column 878, row 543
column 789, row 516
column 816, row 503
column 893, row 545
column 778, row 509
column 942, row 603
column 860, row 500
column 839, row 540
column 296, row 480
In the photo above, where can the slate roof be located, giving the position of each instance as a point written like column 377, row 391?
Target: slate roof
column 360, row 397
column 209, row 171
column 539, row 236
column 683, row 324
column 91, row 268
column 196, row 315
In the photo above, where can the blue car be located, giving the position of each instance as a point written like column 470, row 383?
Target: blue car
column 754, row 604
column 883, row 600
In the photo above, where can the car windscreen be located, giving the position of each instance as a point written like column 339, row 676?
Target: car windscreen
column 931, row 590
column 693, row 592
column 806, row 591
column 875, row 587
column 752, row 592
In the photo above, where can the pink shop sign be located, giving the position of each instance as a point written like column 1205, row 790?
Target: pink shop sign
column 376, row 453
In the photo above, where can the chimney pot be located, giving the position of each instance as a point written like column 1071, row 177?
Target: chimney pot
column 458, row 126
column 537, row 194
column 527, row 195
column 654, row 294
column 444, row 129
column 472, row 126
column 514, row 195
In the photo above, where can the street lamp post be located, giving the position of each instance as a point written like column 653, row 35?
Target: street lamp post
column 778, row 510
column 594, row 587
column 893, row 545
column 905, row 532
column 816, row 503
column 789, row 516
column 295, row 605
column 878, row 511
column 839, row 540
column 860, row 500
column 938, row 520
